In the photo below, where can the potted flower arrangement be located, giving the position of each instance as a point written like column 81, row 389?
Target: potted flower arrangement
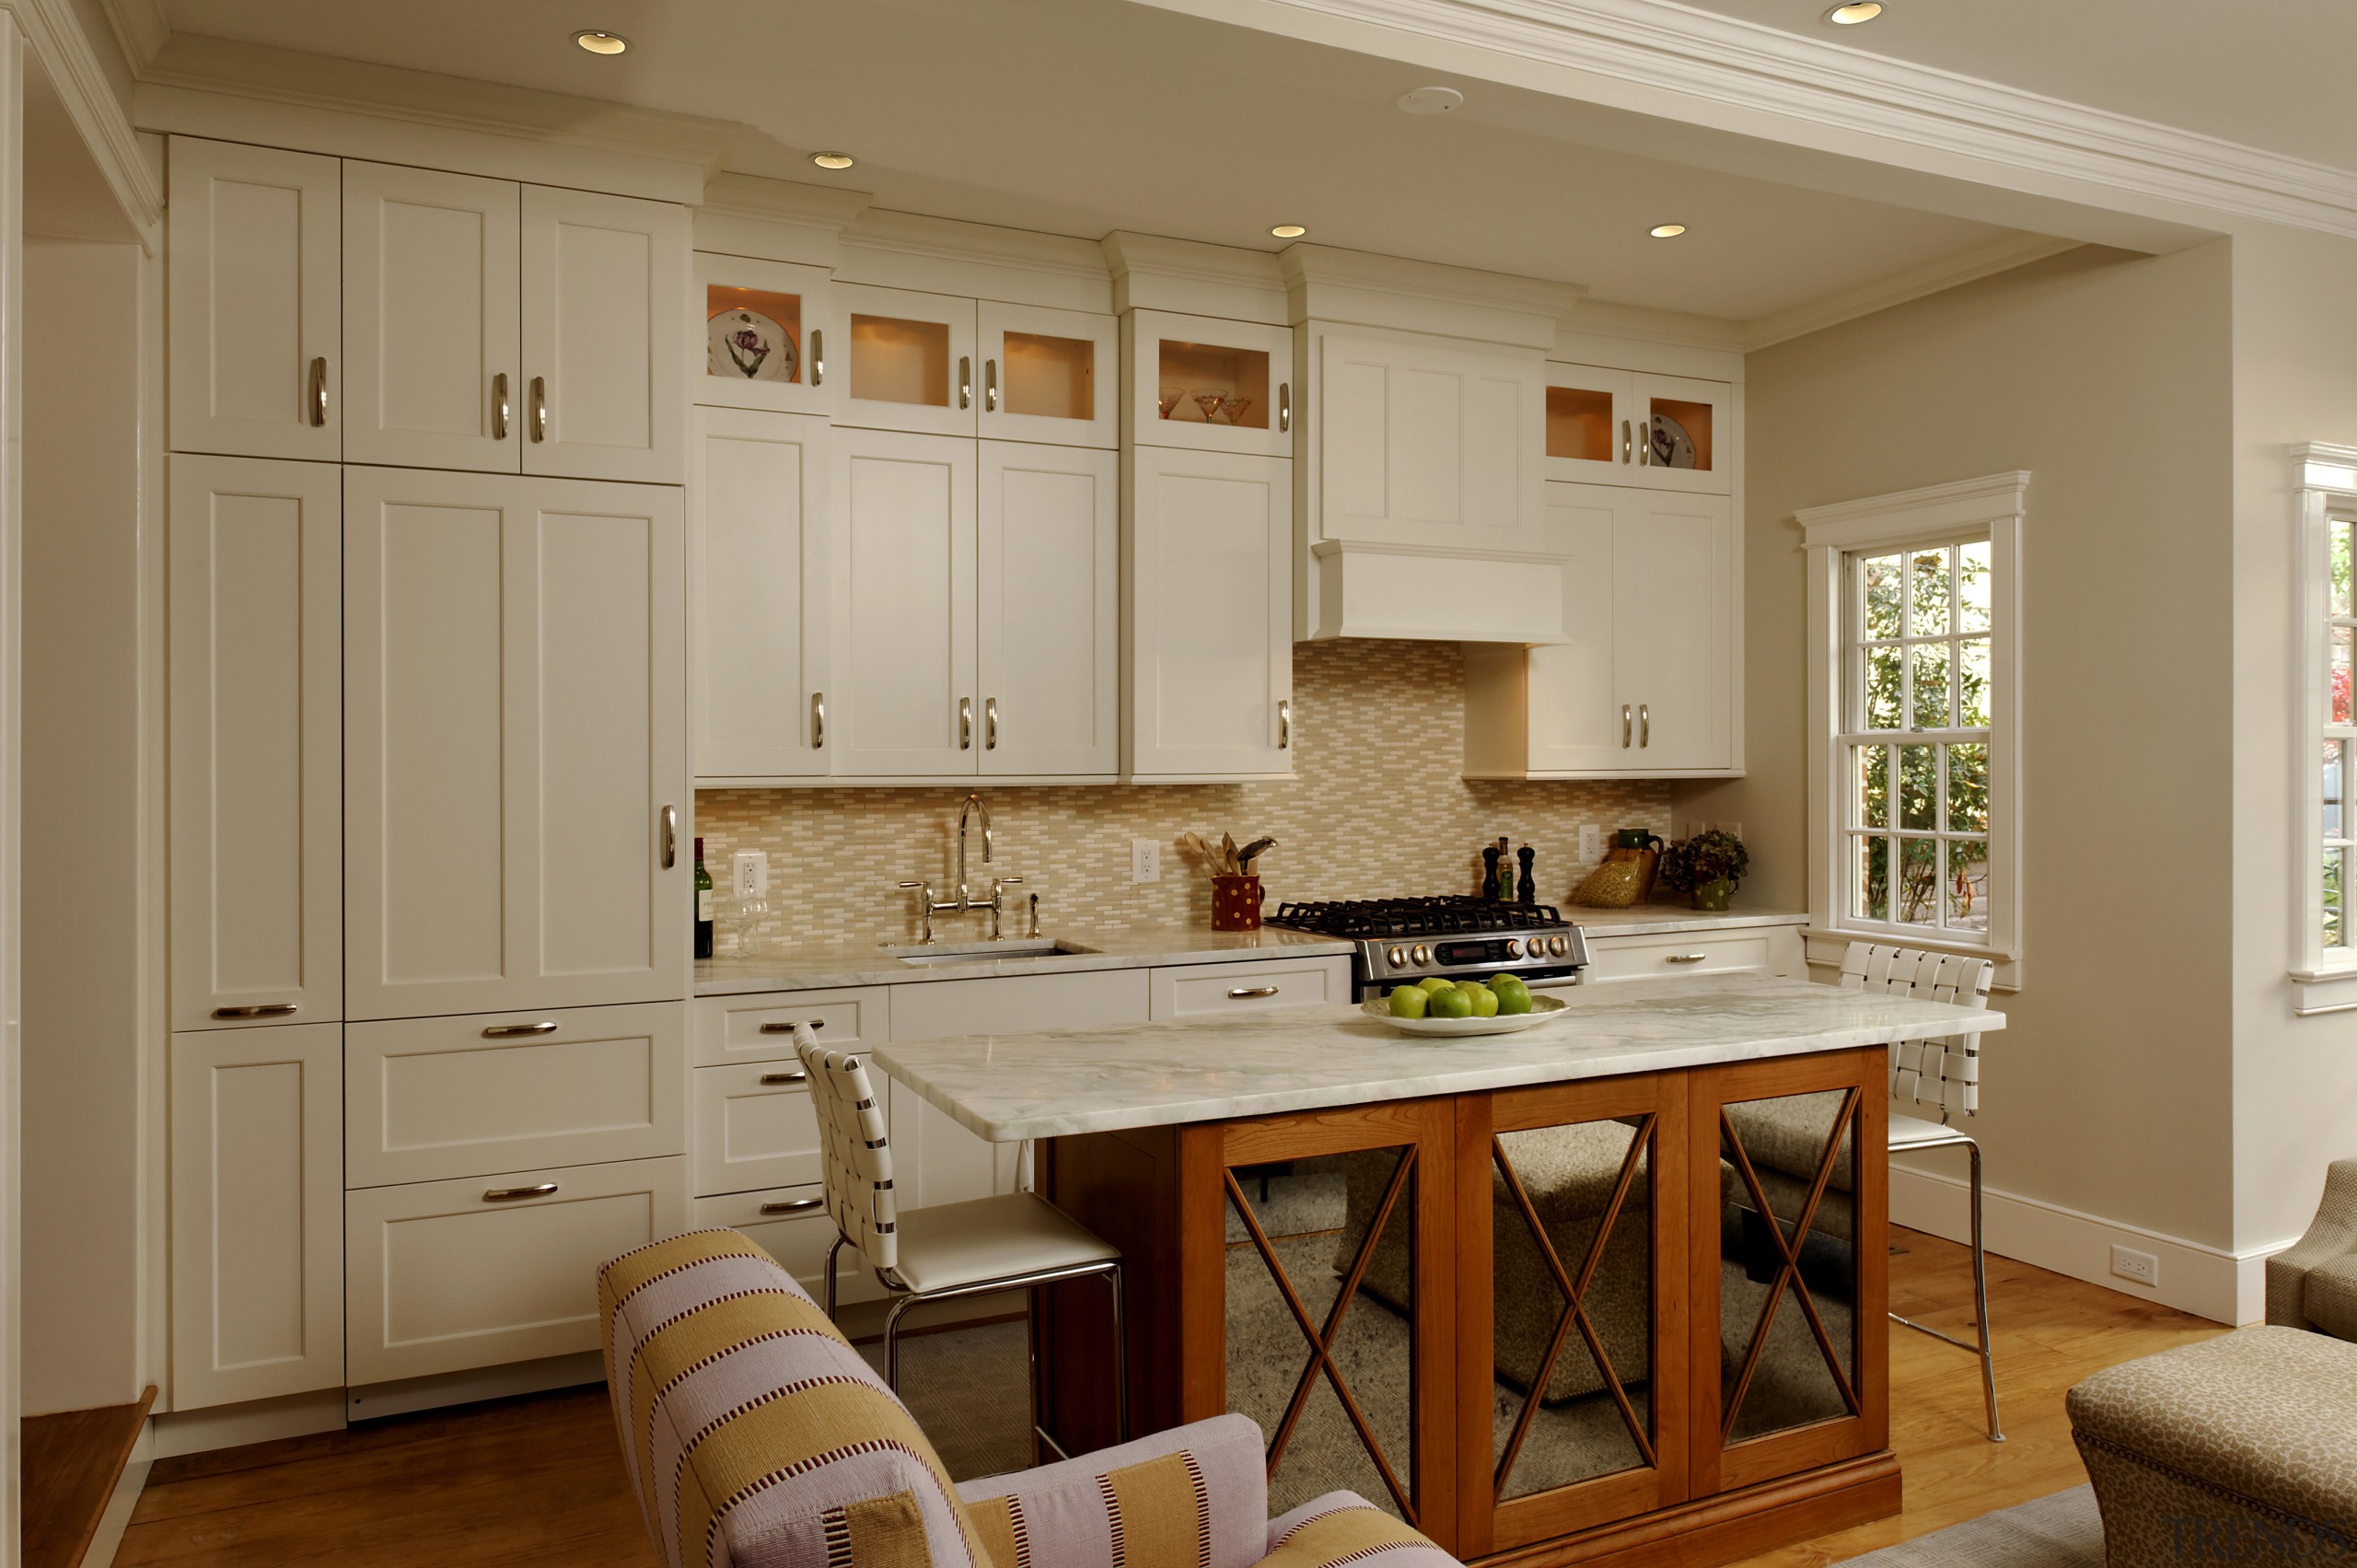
column 1706, row 867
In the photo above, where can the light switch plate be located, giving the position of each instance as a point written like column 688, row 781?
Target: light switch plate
column 750, row 872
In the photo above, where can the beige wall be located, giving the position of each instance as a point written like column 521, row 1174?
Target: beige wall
column 2107, row 376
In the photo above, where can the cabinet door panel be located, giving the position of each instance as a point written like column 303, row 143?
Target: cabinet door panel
column 1179, row 356
column 256, row 741
column 790, row 1224
column 256, row 301
column 797, row 374
column 1592, row 420
column 256, row 1214
column 1050, row 376
column 1048, row 609
column 431, row 319
column 1210, row 659
column 908, row 361
column 763, row 563
column 905, row 605
column 605, row 310
column 1575, row 721
column 1692, row 425
column 755, row 1127
column 1678, row 670
column 1428, row 444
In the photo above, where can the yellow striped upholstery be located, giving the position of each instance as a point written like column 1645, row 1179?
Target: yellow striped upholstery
column 1342, row 1528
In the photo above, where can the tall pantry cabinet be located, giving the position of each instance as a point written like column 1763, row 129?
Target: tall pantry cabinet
column 429, row 763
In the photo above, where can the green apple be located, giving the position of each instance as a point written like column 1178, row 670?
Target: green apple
column 1407, row 1000
column 1487, row 1003
column 1451, row 1003
column 1433, row 982
column 1513, row 995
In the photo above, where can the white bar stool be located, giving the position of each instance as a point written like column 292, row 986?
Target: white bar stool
column 1014, row 1241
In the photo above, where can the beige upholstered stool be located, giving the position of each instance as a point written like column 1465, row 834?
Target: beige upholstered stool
column 2240, row 1449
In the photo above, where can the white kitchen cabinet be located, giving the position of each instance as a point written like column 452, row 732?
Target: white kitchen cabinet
column 515, row 747
column 760, row 563
column 432, row 296
column 605, row 310
column 256, row 705
column 1047, row 376
column 1208, row 385
column 255, row 301
column 790, row 1224
column 1047, row 609
column 257, row 1213
column 909, row 361
column 1195, row 990
column 1632, row 427
column 905, row 700
column 1745, row 949
column 1208, row 659
column 759, row 1027
column 446, row 1275
column 1648, row 684
column 784, row 367
column 755, row 1127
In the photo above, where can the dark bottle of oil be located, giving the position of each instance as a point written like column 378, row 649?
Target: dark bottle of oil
column 704, row 905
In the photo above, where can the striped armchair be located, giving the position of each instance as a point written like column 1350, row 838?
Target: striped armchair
column 757, row 1437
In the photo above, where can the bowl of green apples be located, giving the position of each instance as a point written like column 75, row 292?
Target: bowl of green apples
column 1453, row 1008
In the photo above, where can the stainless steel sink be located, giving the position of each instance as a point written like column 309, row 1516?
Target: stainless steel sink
column 984, row 952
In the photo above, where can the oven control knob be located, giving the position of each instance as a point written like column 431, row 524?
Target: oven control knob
column 1423, row 953
column 1513, row 947
column 1558, row 946
column 1398, row 957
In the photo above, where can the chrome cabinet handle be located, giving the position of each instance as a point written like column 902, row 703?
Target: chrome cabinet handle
column 1244, row 993
column 257, row 1010
column 797, row 1077
column 1285, row 723
column 538, row 411
column 965, row 381
column 1625, row 439
column 794, row 1206
column 1644, row 727
column 1686, row 957
column 670, row 837
column 965, row 724
column 990, row 723
column 318, row 393
column 785, row 1027
column 509, row 1194
column 817, row 721
column 1284, row 406
column 1645, row 443
column 990, row 385
column 513, row 1032
column 818, row 356
column 499, row 407
column 1625, row 719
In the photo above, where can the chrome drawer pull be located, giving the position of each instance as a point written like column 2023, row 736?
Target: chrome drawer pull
column 669, row 845
column 516, row 1031
column 319, row 393
column 795, row 1077
column 1284, row 407
column 794, row 1206
column 499, row 407
column 509, row 1194
column 537, row 422
column 258, row 1010
column 1245, row 993
column 817, row 721
column 782, row 1029
column 817, row 357
column 1686, row 957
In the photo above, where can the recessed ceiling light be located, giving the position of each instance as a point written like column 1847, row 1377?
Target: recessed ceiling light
column 1666, row 230
column 1429, row 100
column 1852, row 15
column 833, row 160
column 1288, row 231
column 597, row 42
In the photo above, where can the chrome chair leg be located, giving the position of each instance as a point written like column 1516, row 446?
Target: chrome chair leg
column 892, row 1339
column 832, row 1252
column 1981, row 1302
column 1120, row 1360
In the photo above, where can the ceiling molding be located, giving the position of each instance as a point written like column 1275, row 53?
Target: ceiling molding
column 1746, row 66
column 140, row 28
column 1328, row 283
column 71, row 59
column 1999, row 255
column 953, row 239
column 783, row 201
column 1153, row 271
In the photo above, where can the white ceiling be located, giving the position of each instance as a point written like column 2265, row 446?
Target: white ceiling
column 2269, row 74
column 1079, row 117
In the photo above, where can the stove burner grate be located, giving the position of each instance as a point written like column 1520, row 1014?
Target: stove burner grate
column 1381, row 919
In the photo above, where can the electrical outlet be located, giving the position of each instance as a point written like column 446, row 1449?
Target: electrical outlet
column 2130, row 1264
column 1145, row 860
column 751, row 877
column 1591, row 843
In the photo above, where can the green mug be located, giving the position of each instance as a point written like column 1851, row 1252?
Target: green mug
column 1635, row 837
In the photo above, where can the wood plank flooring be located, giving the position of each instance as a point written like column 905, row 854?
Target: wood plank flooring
column 539, row 1480
column 72, row 1461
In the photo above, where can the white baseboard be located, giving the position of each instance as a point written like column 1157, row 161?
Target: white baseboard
column 2208, row 1282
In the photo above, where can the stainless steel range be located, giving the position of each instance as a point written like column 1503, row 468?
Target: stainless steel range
column 1406, row 939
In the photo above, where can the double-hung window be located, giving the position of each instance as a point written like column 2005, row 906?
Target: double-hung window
column 2324, row 955
column 1914, row 640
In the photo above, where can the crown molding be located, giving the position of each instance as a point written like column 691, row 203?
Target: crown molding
column 1327, row 283
column 1643, row 323
column 1837, row 88
column 70, row 58
column 140, row 29
column 2001, row 254
column 777, row 220
column 1153, row 271
column 1021, row 266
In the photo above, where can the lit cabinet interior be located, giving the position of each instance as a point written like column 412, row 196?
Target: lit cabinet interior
column 769, row 328
column 1210, row 385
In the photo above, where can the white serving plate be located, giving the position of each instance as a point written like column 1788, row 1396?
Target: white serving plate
column 1541, row 1009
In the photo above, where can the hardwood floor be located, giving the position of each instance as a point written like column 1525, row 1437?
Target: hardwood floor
column 539, row 1480
column 72, row 1461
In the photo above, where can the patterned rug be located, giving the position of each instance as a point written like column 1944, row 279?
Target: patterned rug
column 2060, row 1531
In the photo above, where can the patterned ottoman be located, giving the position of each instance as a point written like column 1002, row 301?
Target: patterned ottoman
column 2239, row 1449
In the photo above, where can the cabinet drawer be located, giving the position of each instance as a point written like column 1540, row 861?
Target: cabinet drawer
column 445, row 1275
column 760, row 1027
column 1233, row 988
column 791, row 1225
column 1687, row 953
column 433, row 1098
column 755, row 1127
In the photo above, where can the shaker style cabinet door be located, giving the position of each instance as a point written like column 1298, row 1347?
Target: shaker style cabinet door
column 605, row 310
column 255, row 301
column 1048, row 610
column 761, row 562
column 1678, row 672
column 515, row 746
column 257, row 651
column 1209, row 384
column 1051, row 376
column 908, row 361
column 431, row 308
column 257, row 1213
column 769, row 327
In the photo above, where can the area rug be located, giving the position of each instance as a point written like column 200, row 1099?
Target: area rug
column 2060, row 1531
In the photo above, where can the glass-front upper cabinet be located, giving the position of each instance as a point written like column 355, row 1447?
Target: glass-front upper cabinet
column 1047, row 376
column 909, row 361
column 1209, row 384
column 771, row 338
column 1608, row 426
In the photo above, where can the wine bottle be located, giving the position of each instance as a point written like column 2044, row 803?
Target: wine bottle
column 704, row 905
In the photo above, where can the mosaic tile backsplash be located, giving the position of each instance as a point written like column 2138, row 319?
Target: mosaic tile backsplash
column 1379, row 811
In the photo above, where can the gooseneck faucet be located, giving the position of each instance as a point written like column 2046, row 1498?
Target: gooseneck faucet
column 928, row 906
column 972, row 803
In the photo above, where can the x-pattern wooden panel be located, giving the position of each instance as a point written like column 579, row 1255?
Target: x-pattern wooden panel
column 1788, row 1270
column 1321, row 1340
column 1574, row 1292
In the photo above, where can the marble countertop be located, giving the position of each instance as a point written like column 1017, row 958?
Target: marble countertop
column 1006, row 1087
column 812, row 966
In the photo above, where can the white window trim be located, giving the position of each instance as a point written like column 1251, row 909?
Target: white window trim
column 1938, row 514
column 2321, row 982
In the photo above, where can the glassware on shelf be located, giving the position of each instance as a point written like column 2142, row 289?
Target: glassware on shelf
column 1170, row 396
column 1235, row 409
column 1209, row 402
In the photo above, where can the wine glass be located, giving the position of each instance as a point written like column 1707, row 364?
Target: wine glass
column 1169, row 398
column 1235, row 409
column 1209, row 402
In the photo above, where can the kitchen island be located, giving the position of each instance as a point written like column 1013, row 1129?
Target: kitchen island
column 1609, row 1288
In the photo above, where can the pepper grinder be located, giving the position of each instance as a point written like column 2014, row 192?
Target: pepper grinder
column 1526, row 890
column 1488, row 871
